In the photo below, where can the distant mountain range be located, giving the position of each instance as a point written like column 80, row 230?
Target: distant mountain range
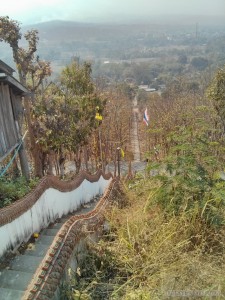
column 59, row 41
column 75, row 31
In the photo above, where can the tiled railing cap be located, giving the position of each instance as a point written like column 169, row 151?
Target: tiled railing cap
column 54, row 262
column 16, row 209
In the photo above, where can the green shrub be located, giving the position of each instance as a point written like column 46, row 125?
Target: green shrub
column 188, row 179
column 12, row 190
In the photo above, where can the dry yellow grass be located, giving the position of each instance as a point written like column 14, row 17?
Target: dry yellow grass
column 148, row 256
column 180, row 256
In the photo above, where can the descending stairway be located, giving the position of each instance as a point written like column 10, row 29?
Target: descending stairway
column 134, row 132
column 15, row 278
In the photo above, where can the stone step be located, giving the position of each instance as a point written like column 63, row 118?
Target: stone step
column 36, row 250
column 7, row 294
column 45, row 240
column 49, row 231
column 56, row 225
column 15, row 280
column 63, row 220
column 25, row 263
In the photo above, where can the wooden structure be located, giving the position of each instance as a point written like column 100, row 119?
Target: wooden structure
column 11, row 112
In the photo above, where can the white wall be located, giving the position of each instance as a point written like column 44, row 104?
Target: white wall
column 51, row 205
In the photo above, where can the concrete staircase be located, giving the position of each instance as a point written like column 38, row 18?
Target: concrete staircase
column 15, row 278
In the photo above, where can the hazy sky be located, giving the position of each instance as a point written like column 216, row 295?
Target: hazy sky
column 33, row 11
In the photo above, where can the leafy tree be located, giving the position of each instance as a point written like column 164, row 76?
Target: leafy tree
column 32, row 71
column 28, row 65
column 66, row 114
column 116, row 126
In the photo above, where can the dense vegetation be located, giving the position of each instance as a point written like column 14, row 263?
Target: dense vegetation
column 170, row 236
column 169, row 239
column 12, row 189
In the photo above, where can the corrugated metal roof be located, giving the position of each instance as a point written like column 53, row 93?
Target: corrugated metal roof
column 6, row 73
column 6, row 68
column 16, row 86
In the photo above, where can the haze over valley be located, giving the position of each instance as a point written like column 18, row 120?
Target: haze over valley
column 142, row 51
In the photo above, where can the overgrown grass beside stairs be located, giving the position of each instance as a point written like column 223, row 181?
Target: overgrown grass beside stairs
column 149, row 253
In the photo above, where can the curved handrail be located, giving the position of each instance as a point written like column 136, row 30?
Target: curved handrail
column 47, row 277
column 16, row 209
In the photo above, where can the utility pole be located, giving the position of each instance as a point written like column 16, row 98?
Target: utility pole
column 100, row 145
column 98, row 117
column 118, row 160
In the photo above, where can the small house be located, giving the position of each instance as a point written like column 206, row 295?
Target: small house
column 11, row 110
